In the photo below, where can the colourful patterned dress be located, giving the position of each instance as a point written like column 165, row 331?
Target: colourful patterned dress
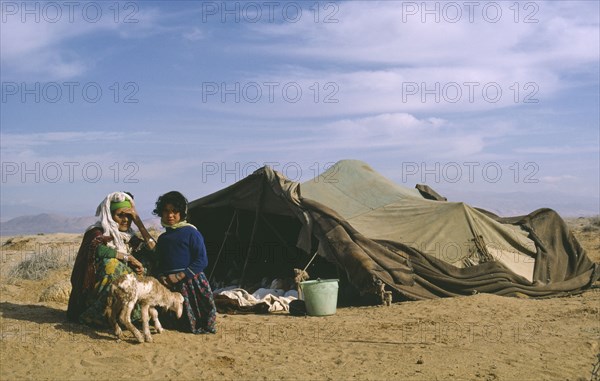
column 199, row 311
column 96, row 267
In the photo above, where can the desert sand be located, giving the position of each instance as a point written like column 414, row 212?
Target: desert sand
column 479, row 337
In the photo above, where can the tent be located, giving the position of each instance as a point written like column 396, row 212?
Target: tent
column 376, row 236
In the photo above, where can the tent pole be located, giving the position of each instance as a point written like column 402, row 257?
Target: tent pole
column 309, row 262
column 256, row 218
column 222, row 245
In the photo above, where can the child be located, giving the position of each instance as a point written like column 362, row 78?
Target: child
column 181, row 263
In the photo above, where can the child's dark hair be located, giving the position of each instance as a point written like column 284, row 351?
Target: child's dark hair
column 174, row 198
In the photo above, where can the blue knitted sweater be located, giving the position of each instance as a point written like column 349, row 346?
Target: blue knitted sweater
column 181, row 249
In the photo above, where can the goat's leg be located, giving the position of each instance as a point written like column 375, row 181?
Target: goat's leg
column 146, row 323
column 157, row 325
column 114, row 310
column 126, row 320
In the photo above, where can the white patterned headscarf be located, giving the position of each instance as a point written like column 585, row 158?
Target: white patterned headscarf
column 110, row 227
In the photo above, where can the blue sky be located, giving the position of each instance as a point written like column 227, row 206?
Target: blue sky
column 492, row 103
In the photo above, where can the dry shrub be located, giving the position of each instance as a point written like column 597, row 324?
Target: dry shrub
column 16, row 243
column 592, row 225
column 37, row 266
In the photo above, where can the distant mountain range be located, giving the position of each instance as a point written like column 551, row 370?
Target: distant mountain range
column 45, row 223
column 503, row 204
column 53, row 223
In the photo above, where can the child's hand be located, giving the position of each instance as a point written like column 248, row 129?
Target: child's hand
column 174, row 278
column 151, row 244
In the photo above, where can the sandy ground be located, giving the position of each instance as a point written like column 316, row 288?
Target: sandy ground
column 480, row 337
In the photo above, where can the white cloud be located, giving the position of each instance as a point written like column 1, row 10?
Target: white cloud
column 402, row 133
column 388, row 32
column 40, row 45
column 194, row 34
column 557, row 179
column 296, row 92
column 400, row 125
column 41, row 149
column 562, row 150
column 18, row 142
column 407, row 133
column 419, row 66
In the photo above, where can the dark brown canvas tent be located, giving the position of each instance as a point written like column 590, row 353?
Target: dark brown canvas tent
column 368, row 232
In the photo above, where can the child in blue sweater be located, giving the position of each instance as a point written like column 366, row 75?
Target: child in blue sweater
column 181, row 262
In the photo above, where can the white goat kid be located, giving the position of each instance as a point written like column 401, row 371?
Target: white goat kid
column 126, row 291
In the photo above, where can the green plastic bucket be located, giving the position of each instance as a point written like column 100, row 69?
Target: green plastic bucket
column 320, row 296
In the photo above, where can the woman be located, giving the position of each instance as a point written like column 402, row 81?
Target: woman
column 108, row 250
column 181, row 262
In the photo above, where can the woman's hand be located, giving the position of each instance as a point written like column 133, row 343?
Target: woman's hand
column 135, row 217
column 136, row 265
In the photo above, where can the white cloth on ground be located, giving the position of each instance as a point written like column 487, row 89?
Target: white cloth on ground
column 277, row 299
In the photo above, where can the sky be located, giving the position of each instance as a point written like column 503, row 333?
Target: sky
column 494, row 103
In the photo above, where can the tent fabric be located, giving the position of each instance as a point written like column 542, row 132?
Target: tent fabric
column 376, row 232
column 428, row 193
column 450, row 231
